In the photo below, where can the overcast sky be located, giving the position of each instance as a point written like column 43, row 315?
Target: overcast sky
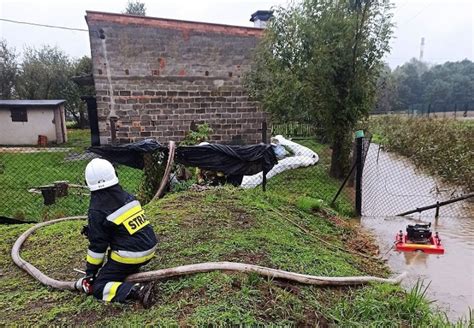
column 446, row 25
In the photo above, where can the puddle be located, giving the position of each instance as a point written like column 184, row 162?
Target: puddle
column 393, row 185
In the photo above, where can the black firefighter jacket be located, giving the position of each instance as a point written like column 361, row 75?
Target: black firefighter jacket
column 117, row 222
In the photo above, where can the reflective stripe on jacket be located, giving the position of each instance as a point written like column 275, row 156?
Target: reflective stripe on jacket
column 123, row 230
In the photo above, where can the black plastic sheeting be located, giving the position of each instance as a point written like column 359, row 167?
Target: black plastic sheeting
column 6, row 220
column 230, row 160
column 128, row 154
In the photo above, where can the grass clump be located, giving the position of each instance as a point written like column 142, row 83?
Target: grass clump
column 309, row 204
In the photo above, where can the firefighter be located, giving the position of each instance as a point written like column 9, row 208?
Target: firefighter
column 119, row 235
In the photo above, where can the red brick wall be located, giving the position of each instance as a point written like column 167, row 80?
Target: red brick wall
column 166, row 74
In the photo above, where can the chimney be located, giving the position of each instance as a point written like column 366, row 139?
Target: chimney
column 261, row 17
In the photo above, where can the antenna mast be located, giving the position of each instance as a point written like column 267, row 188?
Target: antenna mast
column 422, row 48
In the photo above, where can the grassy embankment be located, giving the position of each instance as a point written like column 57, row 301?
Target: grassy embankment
column 23, row 171
column 442, row 147
column 281, row 228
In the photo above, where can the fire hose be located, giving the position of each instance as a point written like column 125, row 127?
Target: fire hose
column 192, row 269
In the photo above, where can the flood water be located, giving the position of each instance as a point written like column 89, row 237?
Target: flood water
column 392, row 185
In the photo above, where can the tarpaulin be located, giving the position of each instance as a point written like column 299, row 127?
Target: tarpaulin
column 231, row 160
column 128, row 154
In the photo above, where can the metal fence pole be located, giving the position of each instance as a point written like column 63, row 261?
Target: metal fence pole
column 359, row 167
column 264, row 140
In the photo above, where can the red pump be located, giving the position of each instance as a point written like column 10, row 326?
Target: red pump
column 419, row 238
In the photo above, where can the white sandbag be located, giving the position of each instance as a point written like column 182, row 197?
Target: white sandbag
column 303, row 157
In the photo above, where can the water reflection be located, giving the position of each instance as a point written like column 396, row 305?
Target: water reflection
column 416, row 258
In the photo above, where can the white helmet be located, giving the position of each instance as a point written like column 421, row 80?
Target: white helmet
column 100, row 174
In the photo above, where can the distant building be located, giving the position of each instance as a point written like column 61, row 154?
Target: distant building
column 22, row 121
column 260, row 18
column 157, row 77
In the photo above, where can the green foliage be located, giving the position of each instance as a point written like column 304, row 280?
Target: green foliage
column 135, row 7
column 319, row 62
column 386, row 91
column 406, row 309
column 153, row 171
column 8, row 70
column 73, row 92
column 195, row 136
column 183, row 185
column 415, row 86
column 440, row 146
column 46, row 73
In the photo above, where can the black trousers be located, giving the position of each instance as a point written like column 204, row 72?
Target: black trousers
column 109, row 284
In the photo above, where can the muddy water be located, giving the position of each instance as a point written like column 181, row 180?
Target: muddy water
column 392, row 185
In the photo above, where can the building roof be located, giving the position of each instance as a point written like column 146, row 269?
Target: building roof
column 172, row 23
column 31, row 103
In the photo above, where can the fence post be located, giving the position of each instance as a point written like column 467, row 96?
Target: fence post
column 264, row 140
column 359, row 167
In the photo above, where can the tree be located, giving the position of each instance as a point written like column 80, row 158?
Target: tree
column 73, row 92
column 386, row 93
column 439, row 87
column 8, row 70
column 322, row 58
column 135, row 8
column 410, row 86
column 43, row 74
column 46, row 73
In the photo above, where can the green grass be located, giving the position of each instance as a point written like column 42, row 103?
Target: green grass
column 313, row 182
column 78, row 139
column 225, row 224
column 21, row 172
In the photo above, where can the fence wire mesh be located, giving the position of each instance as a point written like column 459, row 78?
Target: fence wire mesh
column 44, row 183
column 303, row 172
column 31, row 177
column 393, row 185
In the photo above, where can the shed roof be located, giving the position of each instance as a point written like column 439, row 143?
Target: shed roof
column 31, row 103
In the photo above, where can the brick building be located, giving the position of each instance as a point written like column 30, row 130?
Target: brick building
column 154, row 77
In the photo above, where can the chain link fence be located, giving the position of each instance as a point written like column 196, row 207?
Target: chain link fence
column 43, row 183
column 392, row 185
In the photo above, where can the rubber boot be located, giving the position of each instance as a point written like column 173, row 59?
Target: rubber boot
column 142, row 293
